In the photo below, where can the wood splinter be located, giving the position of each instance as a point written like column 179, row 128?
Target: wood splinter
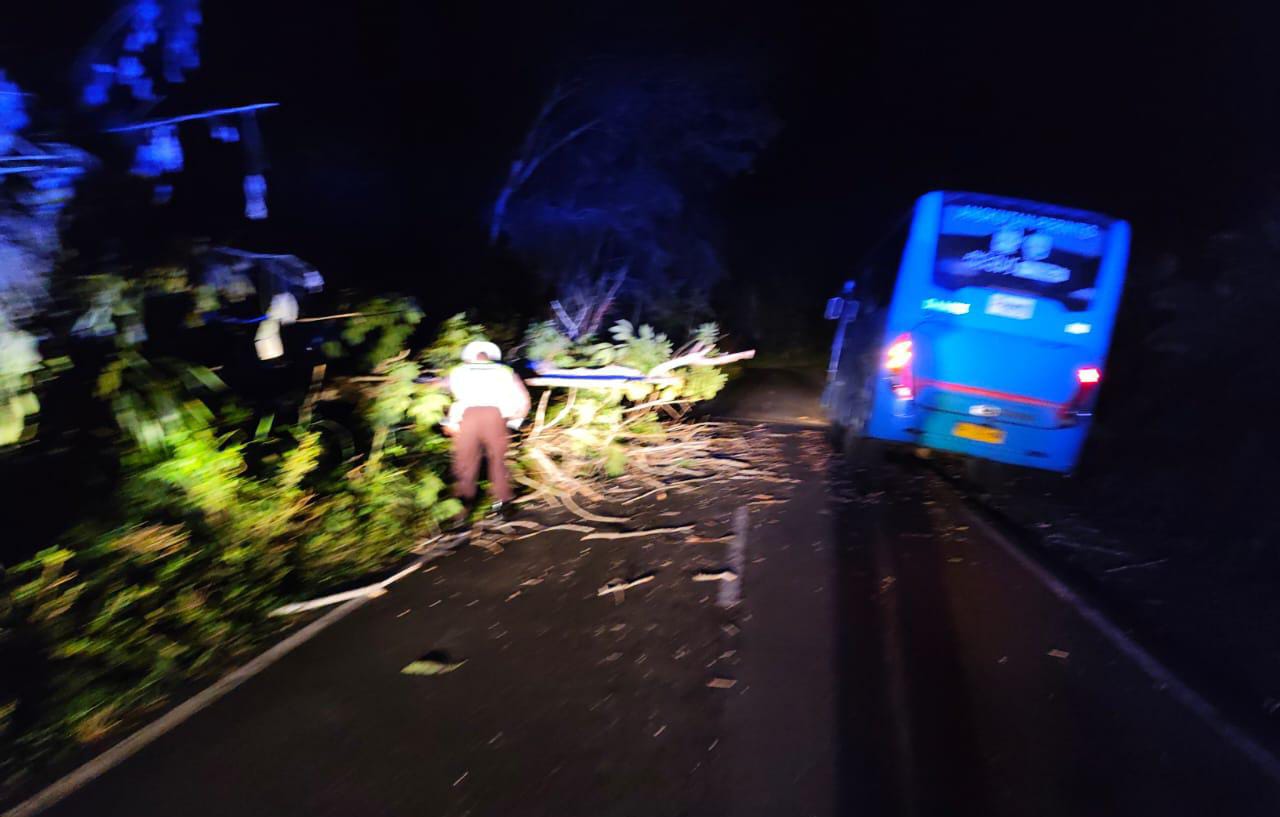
column 718, row 576
column 619, row 586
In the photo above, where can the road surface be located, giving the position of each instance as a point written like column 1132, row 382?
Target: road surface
column 887, row 656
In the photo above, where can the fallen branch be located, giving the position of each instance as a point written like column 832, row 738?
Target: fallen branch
column 574, row 528
column 564, row 412
column 631, row 534
column 618, row 586
column 375, row 589
column 591, row 517
column 699, row 359
column 671, row 487
column 559, row 477
column 722, row 576
column 540, row 416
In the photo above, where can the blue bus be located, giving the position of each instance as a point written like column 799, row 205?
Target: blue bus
column 980, row 327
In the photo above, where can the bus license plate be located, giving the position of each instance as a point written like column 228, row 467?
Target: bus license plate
column 1011, row 306
column 983, row 434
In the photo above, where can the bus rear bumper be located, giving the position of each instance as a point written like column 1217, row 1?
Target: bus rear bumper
column 1049, row 449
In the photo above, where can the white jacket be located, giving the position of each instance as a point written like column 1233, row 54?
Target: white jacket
column 487, row 384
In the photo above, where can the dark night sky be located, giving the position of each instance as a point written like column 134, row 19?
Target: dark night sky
column 398, row 119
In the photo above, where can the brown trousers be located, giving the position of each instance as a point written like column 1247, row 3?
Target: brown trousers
column 482, row 432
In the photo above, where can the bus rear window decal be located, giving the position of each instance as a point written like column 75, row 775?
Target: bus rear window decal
column 1032, row 255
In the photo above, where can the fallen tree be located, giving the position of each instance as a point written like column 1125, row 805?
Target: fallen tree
column 600, row 411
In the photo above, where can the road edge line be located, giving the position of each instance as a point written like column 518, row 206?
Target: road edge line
column 1238, row 738
column 92, row 769
column 730, row 593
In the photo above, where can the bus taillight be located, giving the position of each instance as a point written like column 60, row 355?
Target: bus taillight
column 1086, row 395
column 898, row 356
column 897, row 360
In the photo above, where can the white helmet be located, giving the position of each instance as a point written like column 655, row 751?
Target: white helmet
column 476, row 348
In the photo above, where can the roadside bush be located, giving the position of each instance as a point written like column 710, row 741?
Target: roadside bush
column 218, row 517
column 219, row 513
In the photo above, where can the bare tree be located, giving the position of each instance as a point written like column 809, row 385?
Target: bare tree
column 609, row 198
column 586, row 302
column 546, row 135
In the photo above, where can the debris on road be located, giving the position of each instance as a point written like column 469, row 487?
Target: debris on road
column 577, row 510
column 719, row 576
column 433, row 663
column 630, row 534
column 526, row 524
column 619, row 586
column 1060, row 654
column 1152, row 563
column 721, row 683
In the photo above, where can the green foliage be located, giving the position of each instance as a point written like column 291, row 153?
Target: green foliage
column 544, row 342
column 703, row 383
column 707, row 334
column 454, row 334
column 381, row 330
column 594, row 425
column 113, row 305
column 220, row 516
column 19, row 362
column 641, row 349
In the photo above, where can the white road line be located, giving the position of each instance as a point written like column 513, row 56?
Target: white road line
column 372, row 591
column 122, row 751
column 182, row 712
column 730, row 593
column 1261, row 757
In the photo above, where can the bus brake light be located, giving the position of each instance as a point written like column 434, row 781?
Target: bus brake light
column 1088, row 375
column 898, row 356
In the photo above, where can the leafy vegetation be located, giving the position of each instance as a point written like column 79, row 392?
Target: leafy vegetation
column 19, row 362
column 219, row 515
column 588, row 432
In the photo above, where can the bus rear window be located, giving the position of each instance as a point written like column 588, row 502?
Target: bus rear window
column 1033, row 254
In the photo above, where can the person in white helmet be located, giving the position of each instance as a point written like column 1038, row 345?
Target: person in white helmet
column 488, row 399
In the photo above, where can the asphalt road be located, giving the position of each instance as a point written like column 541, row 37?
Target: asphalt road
column 783, row 396
column 886, row 657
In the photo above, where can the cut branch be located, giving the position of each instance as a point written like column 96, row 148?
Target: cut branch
column 632, row 534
